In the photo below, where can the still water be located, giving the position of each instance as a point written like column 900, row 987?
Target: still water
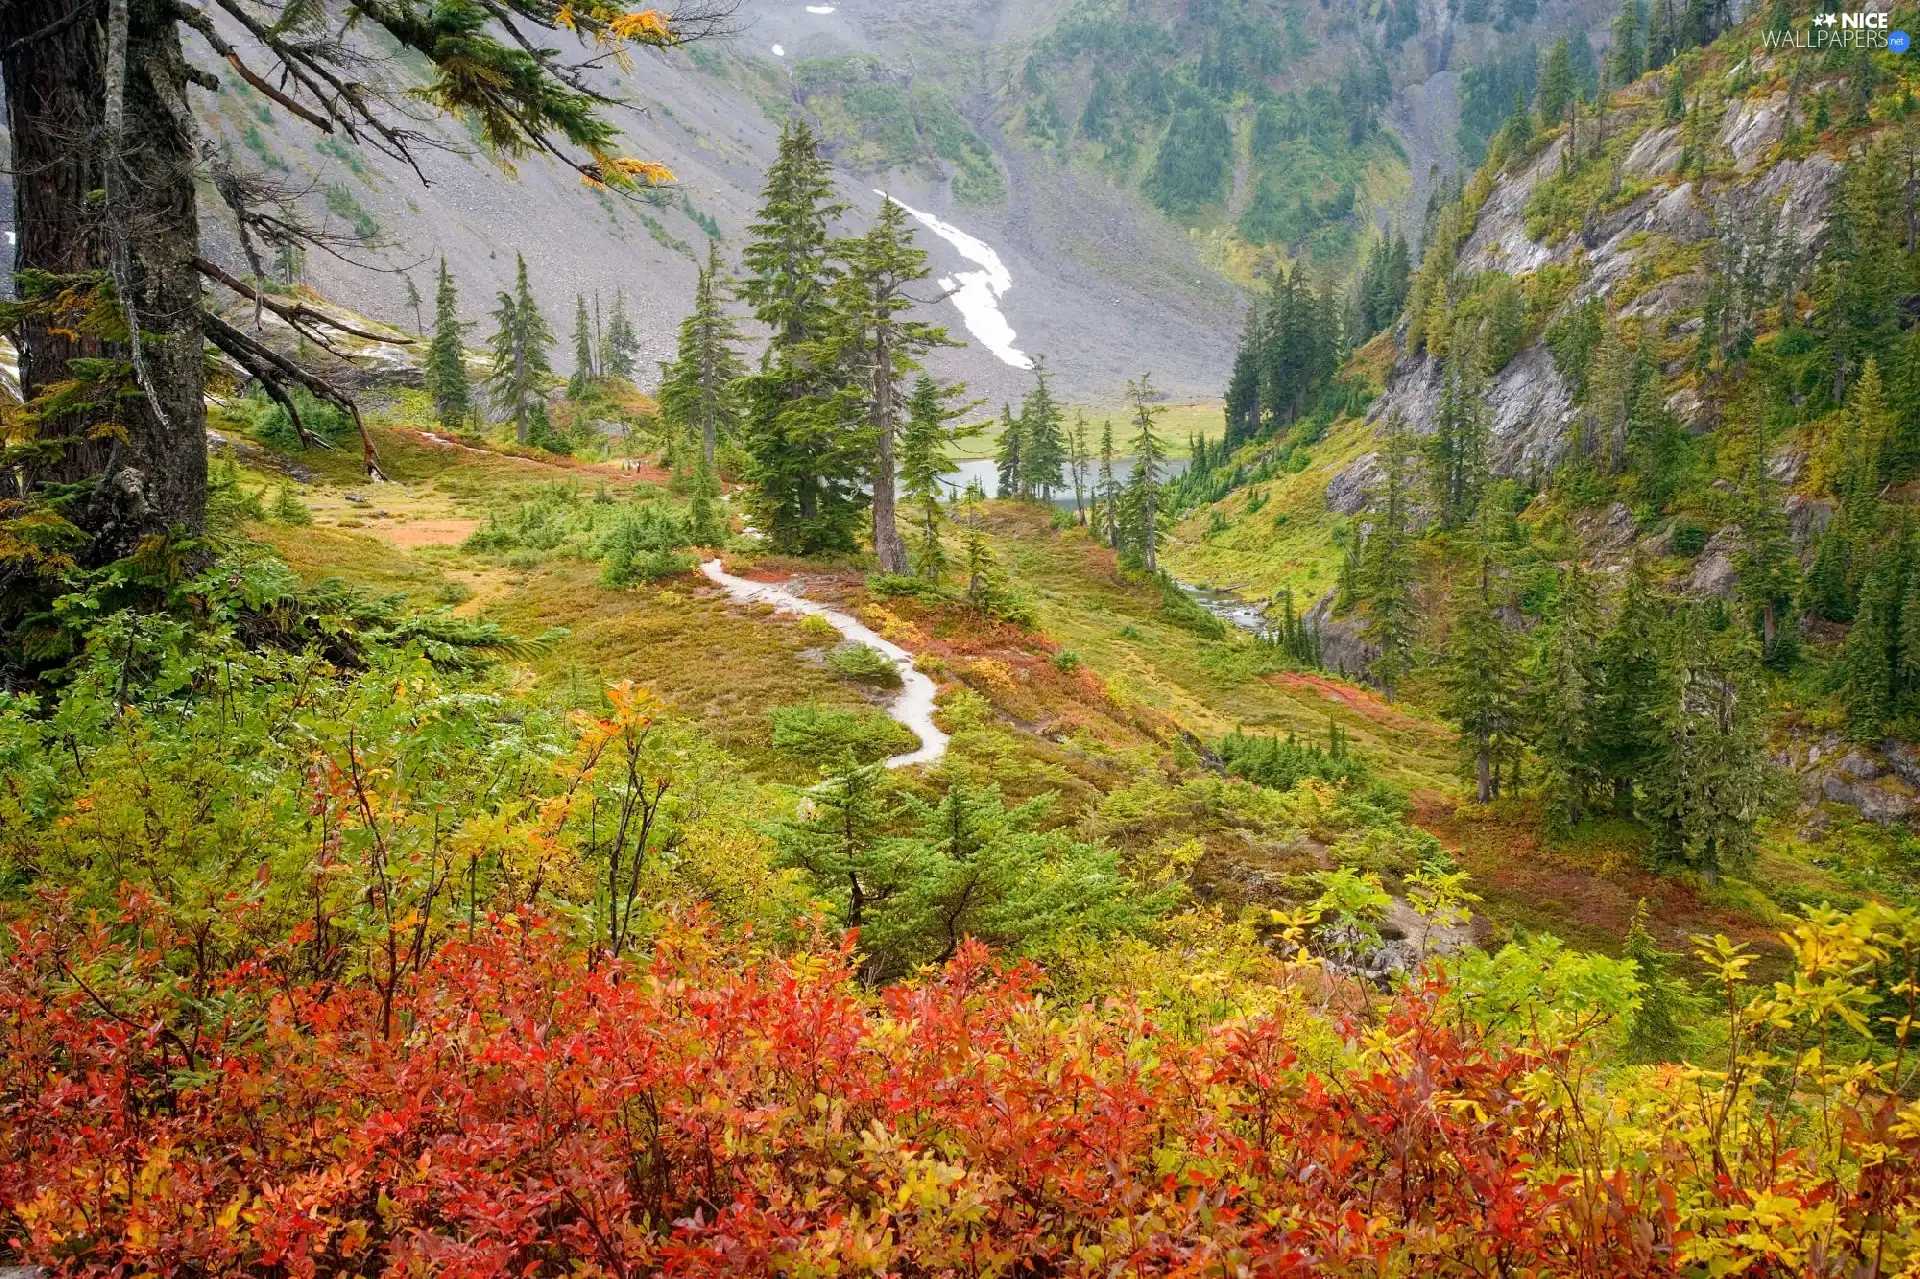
column 988, row 474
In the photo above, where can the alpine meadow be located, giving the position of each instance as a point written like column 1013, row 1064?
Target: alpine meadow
column 960, row 638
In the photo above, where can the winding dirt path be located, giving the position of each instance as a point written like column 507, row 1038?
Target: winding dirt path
column 913, row 706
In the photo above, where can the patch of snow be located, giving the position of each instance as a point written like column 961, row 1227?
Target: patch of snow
column 822, row 9
column 778, row 52
column 914, row 704
column 976, row 294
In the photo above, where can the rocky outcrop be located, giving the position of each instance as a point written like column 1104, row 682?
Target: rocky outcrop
column 1883, row 786
column 1344, row 648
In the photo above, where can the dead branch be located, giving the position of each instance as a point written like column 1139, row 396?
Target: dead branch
column 233, row 342
column 298, row 314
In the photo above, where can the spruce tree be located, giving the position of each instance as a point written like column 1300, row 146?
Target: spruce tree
column 414, row 303
column 1708, row 783
column 521, row 366
column 1144, row 485
column 1766, row 566
column 878, row 347
column 1043, row 443
column 1010, row 463
column 1389, row 571
column 1478, row 669
column 1870, row 655
column 1655, row 1033
column 807, row 443
column 924, row 463
column 1626, row 724
column 619, row 344
column 1557, row 89
column 1457, row 462
column 1243, row 385
column 446, row 357
column 581, row 380
column 700, row 389
column 1562, row 698
column 1079, row 461
column 1626, row 56
column 1109, row 492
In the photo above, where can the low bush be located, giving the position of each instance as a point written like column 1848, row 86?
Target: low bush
column 864, row 663
column 821, row 735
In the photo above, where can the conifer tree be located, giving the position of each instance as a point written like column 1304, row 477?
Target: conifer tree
column 581, row 380
column 1626, row 56
column 1144, row 485
column 1675, row 106
column 1457, row 463
column 879, row 347
column 1766, row 567
column 521, row 366
column 1078, row 462
column 1109, row 494
column 1010, row 463
column 1478, row 669
column 1655, row 1033
column 619, row 344
column 700, row 389
column 1390, row 571
column 414, row 303
column 705, row 524
column 1043, row 443
column 1243, row 385
column 1626, row 728
column 807, row 441
column 923, row 463
column 1557, row 90
column 1708, row 783
column 840, row 842
column 446, row 357
column 1562, row 698
column 1869, row 657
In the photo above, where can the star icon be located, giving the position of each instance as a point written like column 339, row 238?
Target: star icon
column 1825, row 19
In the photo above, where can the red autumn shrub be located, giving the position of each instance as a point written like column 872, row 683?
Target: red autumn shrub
column 719, row 1110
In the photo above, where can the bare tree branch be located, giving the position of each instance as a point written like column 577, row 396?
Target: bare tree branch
column 233, row 342
column 298, row 314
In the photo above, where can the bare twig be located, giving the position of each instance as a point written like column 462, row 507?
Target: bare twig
column 294, row 313
column 233, row 341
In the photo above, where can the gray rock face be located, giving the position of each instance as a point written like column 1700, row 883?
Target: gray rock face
column 1807, row 517
column 1751, row 128
column 1343, row 648
column 1713, row 576
column 1351, row 489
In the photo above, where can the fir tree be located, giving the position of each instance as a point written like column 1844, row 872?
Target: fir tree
column 414, row 304
column 1243, row 385
column 1109, row 492
column 1043, row 445
column 1626, row 728
column 1870, row 657
column 705, row 525
column 1708, row 783
column 581, row 380
column 1562, row 702
column 1557, row 90
column 807, row 441
column 879, row 347
column 1457, row 463
column 1626, row 58
column 1390, row 571
column 619, row 345
column 1675, row 106
column 446, row 357
column 1010, row 462
column 1766, row 566
column 1478, row 668
column 521, row 367
column 1144, row 485
column 700, row 389
column 1656, row 1032
column 1078, row 462
column 924, row 463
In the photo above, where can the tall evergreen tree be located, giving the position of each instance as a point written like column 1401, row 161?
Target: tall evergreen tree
column 581, row 380
column 619, row 344
column 1562, row 691
column 1708, row 784
column 1627, row 56
column 700, row 389
column 1144, row 485
column 1767, row 568
column 521, row 366
column 1479, row 669
column 446, row 357
column 1243, row 386
column 807, row 441
column 1557, row 90
column 1390, row 571
column 879, row 347
column 1010, row 463
column 924, row 463
column 1626, row 728
column 1078, row 463
column 1109, row 491
column 1043, row 442
column 1457, row 462
column 1656, row 1032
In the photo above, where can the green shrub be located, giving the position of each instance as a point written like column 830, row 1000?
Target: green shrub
column 864, row 663
column 1179, row 608
column 817, row 733
column 1689, row 539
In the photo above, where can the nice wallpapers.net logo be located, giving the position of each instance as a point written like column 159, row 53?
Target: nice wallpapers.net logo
column 1869, row 31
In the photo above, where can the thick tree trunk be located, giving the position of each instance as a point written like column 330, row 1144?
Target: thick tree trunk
column 150, row 474
column 1483, row 777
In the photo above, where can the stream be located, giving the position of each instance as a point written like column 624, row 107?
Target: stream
column 911, row 706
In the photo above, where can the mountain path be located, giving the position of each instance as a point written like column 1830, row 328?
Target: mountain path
column 912, row 706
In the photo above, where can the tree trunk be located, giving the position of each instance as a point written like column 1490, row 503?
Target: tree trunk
column 57, row 73
column 887, row 546
column 1483, row 776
